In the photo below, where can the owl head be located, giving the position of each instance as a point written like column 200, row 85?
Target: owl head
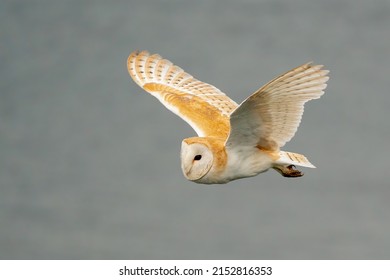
column 200, row 158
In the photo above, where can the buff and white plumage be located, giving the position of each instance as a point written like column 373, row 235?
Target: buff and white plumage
column 234, row 141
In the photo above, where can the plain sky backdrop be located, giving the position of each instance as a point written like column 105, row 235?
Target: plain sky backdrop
column 89, row 162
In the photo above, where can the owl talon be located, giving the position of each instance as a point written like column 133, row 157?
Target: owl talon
column 288, row 171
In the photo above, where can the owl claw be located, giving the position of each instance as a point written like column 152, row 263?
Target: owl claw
column 288, row 171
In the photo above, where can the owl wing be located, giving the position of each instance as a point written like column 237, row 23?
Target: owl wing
column 204, row 107
column 270, row 117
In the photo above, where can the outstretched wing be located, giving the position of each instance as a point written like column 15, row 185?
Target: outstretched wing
column 204, row 107
column 270, row 117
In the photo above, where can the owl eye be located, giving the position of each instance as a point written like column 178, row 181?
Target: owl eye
column 198, row 157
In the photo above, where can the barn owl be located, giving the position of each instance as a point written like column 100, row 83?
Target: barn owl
column 234, row 141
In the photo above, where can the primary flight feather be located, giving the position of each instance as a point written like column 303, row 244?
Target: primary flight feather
column 234, row 141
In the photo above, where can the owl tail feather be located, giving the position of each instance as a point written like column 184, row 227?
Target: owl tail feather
column 288, row 158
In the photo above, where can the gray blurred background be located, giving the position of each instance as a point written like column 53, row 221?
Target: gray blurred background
column 89, row 163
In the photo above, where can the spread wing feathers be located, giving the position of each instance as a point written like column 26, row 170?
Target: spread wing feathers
column 201, row 105
column 270, row 117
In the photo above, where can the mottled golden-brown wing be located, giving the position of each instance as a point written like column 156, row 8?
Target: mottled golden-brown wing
column 204, row 107
column 270, row 117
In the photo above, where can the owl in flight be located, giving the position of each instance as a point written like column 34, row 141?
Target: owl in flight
column 234, row 141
